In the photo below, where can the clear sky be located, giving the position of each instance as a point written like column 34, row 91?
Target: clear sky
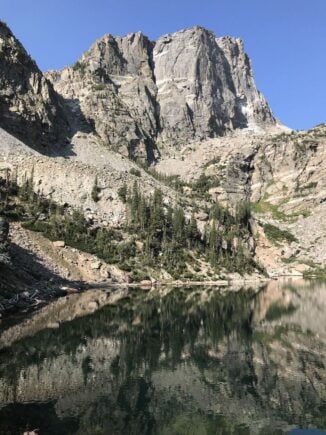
column 286, row 39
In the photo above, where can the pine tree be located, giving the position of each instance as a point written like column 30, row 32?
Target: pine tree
column 212, row 245
column 192, row 233
column 95, row 191
column 135, row 206
column 178, row 226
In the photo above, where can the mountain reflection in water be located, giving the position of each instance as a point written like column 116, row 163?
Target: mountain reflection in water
column 173, row 362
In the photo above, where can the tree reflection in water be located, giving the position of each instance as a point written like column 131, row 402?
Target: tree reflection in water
column 185, row 361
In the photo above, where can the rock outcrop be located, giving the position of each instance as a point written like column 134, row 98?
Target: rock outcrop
column 29, row 107
column 283, row 176
column 205, row 87
column 188, row 102
column 141, row 95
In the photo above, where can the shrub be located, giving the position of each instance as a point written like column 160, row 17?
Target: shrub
column 136, row 172
column 122, row 193
column 79, row 66
column 99, row 87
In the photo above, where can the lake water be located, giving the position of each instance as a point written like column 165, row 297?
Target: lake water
column 199, row 361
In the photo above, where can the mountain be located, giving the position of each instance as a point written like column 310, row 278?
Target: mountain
column 145, row 97
column 159, row 157
column 29, row 107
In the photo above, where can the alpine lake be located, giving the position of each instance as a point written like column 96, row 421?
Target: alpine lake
column 169, row 361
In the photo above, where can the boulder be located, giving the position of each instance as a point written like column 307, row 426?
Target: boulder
column 59, row 244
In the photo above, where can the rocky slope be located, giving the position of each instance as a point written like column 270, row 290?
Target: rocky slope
column 282, row 175
column 143, row 97
column 187, row 102
column 29, row 107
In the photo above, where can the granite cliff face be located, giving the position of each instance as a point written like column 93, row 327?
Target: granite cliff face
column 141, row 95
column 29, row 107
column 205, row 87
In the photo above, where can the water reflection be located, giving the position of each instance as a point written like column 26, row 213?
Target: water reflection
column 183, row 362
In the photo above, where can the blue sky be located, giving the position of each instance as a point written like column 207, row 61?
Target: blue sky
column 286, row 39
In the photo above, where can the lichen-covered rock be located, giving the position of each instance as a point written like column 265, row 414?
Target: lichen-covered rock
column 29, row 107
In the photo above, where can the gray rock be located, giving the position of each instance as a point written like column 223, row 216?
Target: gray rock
column 143, row 95
column 205, row 87
column 29, row 107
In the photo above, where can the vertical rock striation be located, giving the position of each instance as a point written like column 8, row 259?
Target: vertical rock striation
column 205, row 87
column 139, row 95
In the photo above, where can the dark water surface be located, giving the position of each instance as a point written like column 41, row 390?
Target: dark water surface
column 177, row 362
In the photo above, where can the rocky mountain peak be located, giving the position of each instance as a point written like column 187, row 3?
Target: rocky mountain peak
column 141, row 97
column 145, row 96
column 119, row 55
column 29, row 107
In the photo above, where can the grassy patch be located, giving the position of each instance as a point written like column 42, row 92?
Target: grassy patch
column 276, row 235
column 289, row 260
column 266, row 207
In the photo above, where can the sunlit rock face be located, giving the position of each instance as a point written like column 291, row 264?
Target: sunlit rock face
column 205, row 87
column 186, row 86
column 240, row 360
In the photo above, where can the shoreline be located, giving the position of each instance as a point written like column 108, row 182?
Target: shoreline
column 23, row 304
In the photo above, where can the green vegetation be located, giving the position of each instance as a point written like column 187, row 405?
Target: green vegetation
column 122, row 193
column 155, row 236
column 204, row 183
column 99, row 87
column 79, row 66
column 316, row 272
column 135, row 172
column 199, row 187
column 170, row 238
column 95, row 191
column 264, row 206
column 289, row 260
column 173, row 181
column 276, row 235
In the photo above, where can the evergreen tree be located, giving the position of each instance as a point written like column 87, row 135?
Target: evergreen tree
column 95, row 191
column 178, row 226
column 212, row 245
column 192, row 233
